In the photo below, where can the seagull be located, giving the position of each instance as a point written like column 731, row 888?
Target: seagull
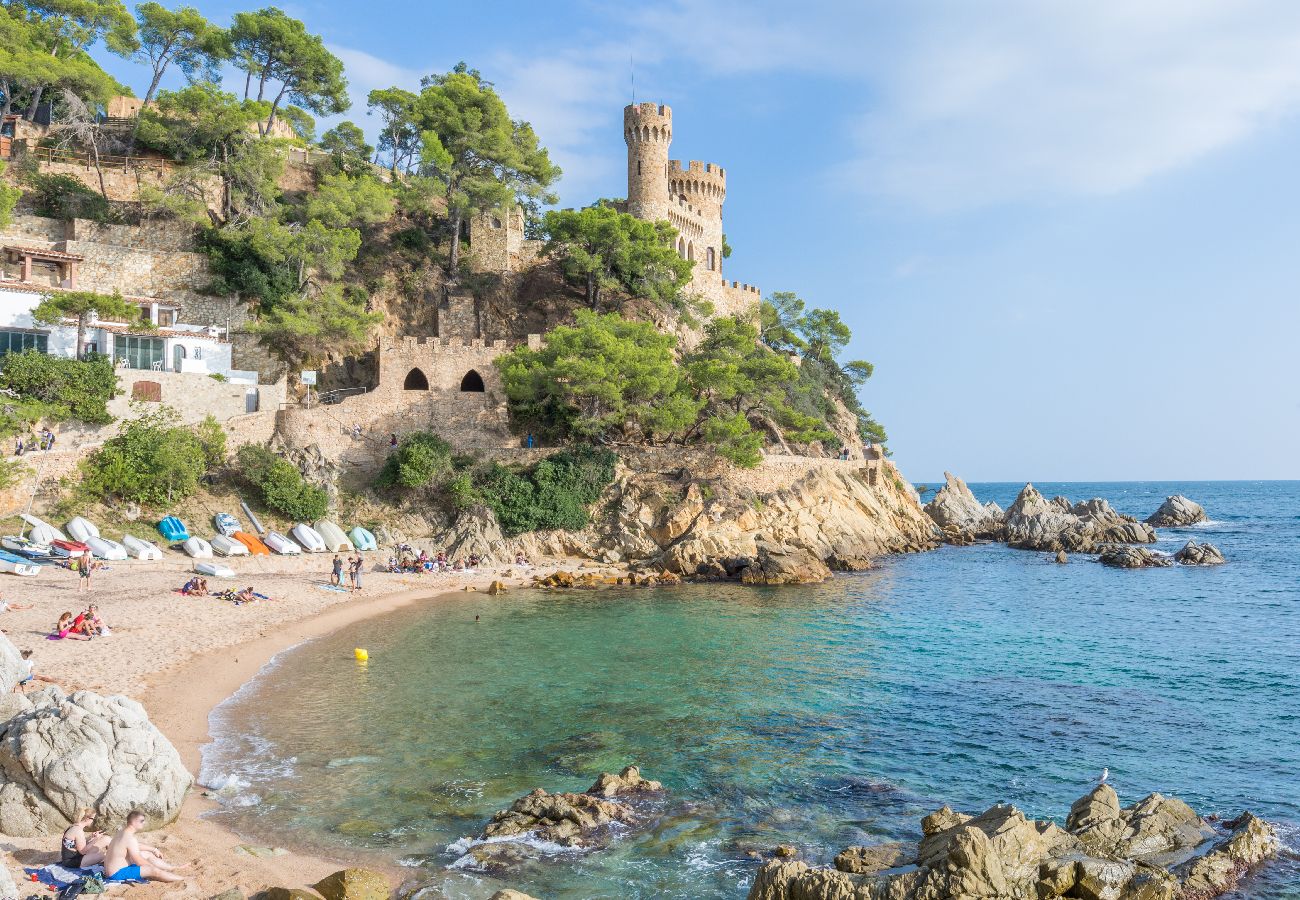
column 1105, row 773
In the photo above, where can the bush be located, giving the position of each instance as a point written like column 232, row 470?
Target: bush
column 281, row 485
column 63, row 388
column 65, row 197
column 152, row 461
column 554, row 494
column 212, row 438
column 422, row 460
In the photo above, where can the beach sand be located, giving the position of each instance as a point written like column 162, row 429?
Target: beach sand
column 182, row 656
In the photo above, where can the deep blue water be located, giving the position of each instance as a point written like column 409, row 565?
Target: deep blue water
column 819, row 716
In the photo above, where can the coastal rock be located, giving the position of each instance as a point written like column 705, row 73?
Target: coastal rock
column 1035, row 523
column 12, row 669
column 1108, row 853
column 777, row 564
column 962, row 517
column 1126, row 557
column 510, row 894
column 1177, row 512
column 284, row 893
column 1194, row 554
column 496, row 587
column 354, row 884
column 474, row 532
column 65, row 752
column 1061, row 557
column 629, row 781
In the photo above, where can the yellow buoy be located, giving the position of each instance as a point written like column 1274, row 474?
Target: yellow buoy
column 361, row 655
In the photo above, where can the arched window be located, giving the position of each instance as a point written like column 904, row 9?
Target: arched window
column 681, row 247
column 712, row 259
column 472, row 383
column 415, row 381
column 690, row 251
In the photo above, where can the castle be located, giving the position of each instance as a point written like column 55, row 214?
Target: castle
column 687, row 195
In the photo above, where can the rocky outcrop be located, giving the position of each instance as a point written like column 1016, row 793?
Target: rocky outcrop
column 961, row 517
column 1122, row 556
column 1157, row 849
column 1177, row 512
column 354, row 884
column 510, row 894
column 539, row 822
column 59, row 753
column 776, row 564
column 1194, row 554
column 475, row 532
column 1035, row 523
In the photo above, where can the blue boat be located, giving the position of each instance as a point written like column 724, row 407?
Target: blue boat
column 173, row 530
column 17, row 565
column 362, row 539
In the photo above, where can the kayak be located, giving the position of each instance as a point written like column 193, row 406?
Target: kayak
column 252, row 542
column 173, row 529
column 362, row 539
column 141, row 549
column 333, row 536
column 307, row 538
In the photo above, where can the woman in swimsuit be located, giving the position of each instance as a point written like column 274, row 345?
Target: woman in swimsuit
column 66, row 629
column 79, row 850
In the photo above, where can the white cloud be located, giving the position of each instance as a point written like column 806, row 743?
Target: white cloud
column 971, row 103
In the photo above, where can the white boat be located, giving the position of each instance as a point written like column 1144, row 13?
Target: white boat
column 140, row 549
column 106, row 549
column 228, row 546
column 280, row 544
column 308, row 538
column 80, row 529
column 214, row 569
column 42, row 532
column 23, row 545
column 16, row 565
column 197, row 548
column 335, row 540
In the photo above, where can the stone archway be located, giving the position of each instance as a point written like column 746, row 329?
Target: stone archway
column 472, row 383
column 415, row 381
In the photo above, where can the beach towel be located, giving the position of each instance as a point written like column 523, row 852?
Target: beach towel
column 56, row 875
column 333, row 587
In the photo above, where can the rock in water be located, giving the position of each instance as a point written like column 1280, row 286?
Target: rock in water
column 784, row 565
column 60, row 752
column 354, row 884
column 1177, row 512
column 1157, row 849
column 509, row 894
column 959, row 515
column 1061, row 557
column 1194, row 554
column 1035, row 523
column 629, row 781
column 1125, row 557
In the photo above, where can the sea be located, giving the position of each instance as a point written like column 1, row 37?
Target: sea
column 820, row 717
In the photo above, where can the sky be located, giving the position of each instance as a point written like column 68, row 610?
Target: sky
column 1066, row 234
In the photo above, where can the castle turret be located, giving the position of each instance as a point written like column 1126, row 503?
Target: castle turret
column 702, row 185
column 648, row 130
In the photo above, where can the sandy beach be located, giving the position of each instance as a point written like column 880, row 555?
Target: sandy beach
column 182, row 656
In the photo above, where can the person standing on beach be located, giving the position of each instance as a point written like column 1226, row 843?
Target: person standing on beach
column 336, row 575
column 85, row 568
column 354, row 572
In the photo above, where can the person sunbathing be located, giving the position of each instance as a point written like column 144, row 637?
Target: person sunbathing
column 126, row 859
column 65, row 630
column 30, row 673
column 80, row 849
column 247, row 595
column 9, row 606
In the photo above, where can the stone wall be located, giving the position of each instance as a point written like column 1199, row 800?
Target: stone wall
column 194, row 397
column 123, row 183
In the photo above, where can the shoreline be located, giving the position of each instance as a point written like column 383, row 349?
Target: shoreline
column 181, row 681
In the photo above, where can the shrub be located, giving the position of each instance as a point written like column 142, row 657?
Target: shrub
column 461, row 493
column 422, row 460
column 64, row 388
column 65, row 197
column 212, row 438
column 553, row 494
column 152, row 461
column 281, row 485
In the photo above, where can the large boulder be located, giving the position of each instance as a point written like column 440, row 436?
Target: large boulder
column 61, row 752
column 354, row 884
column 1250, row 842
column 1194, row 554
column 962, row 517
column 1123, row 556
column 777, row 564
column 1177, row 512
column 1035, row 523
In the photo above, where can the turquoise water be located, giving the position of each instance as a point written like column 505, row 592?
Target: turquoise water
column 820, row 716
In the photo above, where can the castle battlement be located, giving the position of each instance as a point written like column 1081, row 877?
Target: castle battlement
column 435, row 345
column 694, row 166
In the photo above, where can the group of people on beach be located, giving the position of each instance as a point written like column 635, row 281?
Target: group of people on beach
column 354, row 564
column 123, row 857
column 82, row 627
column 409, row 562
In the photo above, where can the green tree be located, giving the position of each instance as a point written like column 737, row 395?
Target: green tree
column 280, row 485
column 421, row 460
column 301, row 121
column 307, row 329
column 824, row 333
column 57, row 389
column 779, row 318
column 604, row 249
column 152, row 460
column 59, row 306
column 290, row 64
column 347, row 144
column 483, row 159
column 8, row 198
column 399, row 135
column 605, row 377
column 180, row 37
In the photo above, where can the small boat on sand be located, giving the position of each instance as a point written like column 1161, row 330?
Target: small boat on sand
column 252, row 542
column 67, row 548
column 140, row 549
column 106, row 549
column 228, row 546
column 42, row 532
column 362, row 539
column 214, row 569
column 197, row 548
column 13, row 564
column 225, row 524
column 307, row 538
column 335, row 540
column 173, row 530
column 281, row 544
column 83, row 530
column 25, row 546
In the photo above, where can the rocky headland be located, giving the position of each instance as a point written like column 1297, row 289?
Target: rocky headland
column 1156, row 849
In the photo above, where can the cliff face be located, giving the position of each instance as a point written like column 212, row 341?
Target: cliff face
column 693, row 516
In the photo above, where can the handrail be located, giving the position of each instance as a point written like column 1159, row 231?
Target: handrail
column 54, row 155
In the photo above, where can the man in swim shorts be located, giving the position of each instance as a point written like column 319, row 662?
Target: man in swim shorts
column 126, row 859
